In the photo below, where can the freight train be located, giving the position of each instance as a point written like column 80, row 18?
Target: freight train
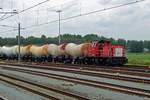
column 94, row 53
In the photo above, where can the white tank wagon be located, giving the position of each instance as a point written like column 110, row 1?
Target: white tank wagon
column 61, row 49
column 39, row 51
column 9, row 51
column 53, row 50
column 5, row 51
column 14, row 50
column 77, row 50
column 71, row 49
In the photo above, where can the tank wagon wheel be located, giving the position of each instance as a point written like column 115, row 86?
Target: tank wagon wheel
column 78, row 60
column 49, row 59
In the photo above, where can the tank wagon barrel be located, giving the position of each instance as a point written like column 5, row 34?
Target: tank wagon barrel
column 71, row 49
column 9, row 51
column 53, row 50
column 77, row 50
column 39, row 51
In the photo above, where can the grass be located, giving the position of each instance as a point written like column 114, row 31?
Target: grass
column 139, row 58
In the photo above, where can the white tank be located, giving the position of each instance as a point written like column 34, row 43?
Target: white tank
column 9, row 51
column 77, row 50
column 39, row 50
column 71, row 49
column 5, row 50
column 53, row 49
column 14, row 50
column 61, row 49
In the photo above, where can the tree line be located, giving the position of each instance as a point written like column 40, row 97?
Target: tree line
column 131, row 45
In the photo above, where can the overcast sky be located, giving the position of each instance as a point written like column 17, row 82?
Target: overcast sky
column 130, row 22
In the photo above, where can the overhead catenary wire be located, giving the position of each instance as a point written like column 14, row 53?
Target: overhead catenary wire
column 85, row 14
column 25, row 9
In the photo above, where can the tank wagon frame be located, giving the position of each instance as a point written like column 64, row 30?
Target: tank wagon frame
column 95, row 53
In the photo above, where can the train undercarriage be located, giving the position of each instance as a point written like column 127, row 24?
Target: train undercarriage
column 72, row 60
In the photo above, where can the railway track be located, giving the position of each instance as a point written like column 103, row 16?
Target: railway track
column 124, row 89
column 123, row 69
column 86, row 72
column 40, row 89
column 144, row 72
column 126, row 68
